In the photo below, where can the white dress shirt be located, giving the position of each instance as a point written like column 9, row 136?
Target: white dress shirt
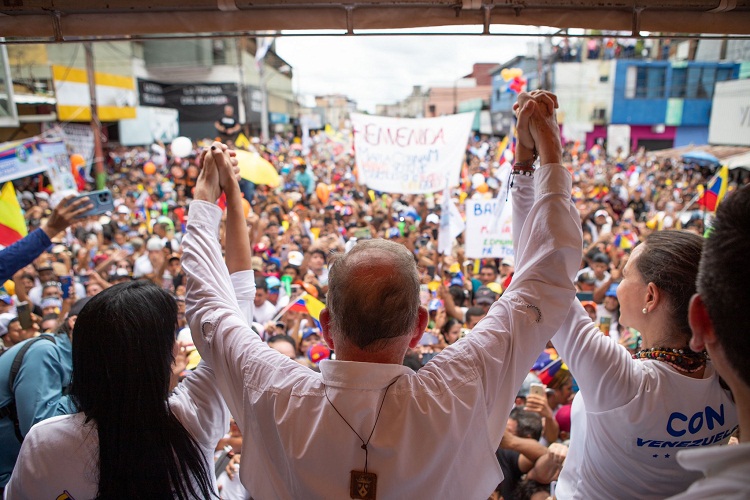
column 439, row 428
column 726, row 470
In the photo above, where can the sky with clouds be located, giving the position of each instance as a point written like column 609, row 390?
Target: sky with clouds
column 383, row 69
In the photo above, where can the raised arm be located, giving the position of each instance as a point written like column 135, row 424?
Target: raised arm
column 220, row 329
column 602, row 368
column 503, row 346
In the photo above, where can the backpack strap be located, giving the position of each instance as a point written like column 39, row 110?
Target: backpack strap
column 9, row 410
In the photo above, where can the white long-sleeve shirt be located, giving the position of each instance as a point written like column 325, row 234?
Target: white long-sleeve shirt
column 632, row 418
column 636, row 414
column 61, row 454
column 439, row 428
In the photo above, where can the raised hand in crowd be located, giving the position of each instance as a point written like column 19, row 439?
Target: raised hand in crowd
column 65, row 214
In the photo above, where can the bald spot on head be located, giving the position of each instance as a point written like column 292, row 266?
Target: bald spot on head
column 373, row 293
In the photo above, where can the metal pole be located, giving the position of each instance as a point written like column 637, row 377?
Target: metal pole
column 99, row 173
column 242, row 114
column 264, row 134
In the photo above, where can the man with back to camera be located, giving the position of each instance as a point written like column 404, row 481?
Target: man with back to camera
column 374, row 421
column 720, row 324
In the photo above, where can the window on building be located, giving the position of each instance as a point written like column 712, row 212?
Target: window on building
column 642, row 82
column 679, row 83
column 655, row 82
column 723, row 74
column 432, row 110
column 701, row 81
column 218, row 50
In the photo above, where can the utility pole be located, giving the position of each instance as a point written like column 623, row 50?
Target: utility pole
column 242, row 114
column 264, row 134
column 99, row 174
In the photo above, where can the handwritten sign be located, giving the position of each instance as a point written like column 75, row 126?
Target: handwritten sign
column 410, row 156
column 480, row 241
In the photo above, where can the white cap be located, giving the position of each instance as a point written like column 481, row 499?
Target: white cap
column 433, row 218
column 295, row 258
column 154, row 244
column 5, row 320
column 122, row 209
column 601, row 212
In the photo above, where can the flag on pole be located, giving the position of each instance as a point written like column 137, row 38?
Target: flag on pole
column 444, row 237
column 263, row 45
column 306, row 303
column 12, row 223
column 717, row 188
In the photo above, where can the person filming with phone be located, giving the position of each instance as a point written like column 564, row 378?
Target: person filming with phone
column 25, row 250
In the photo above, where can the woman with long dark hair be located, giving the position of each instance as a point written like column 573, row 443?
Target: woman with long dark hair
column 633, row 412
column 131, row 439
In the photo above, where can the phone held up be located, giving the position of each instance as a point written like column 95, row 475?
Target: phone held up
column 102, row 200
column 65, row 282
column 538, row 389
column 24, row 315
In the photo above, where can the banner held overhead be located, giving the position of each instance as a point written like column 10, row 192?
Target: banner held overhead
column 410, row 156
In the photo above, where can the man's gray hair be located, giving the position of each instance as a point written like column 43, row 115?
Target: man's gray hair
column 373, row 294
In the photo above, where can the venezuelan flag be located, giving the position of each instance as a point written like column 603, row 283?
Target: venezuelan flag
column 717, row 188
column 12, row 223
column 308, row 304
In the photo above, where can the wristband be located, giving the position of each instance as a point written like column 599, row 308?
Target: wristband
column 525, row 167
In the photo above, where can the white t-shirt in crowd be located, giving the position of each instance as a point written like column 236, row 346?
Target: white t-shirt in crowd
column 265, row 313
column 142, row 266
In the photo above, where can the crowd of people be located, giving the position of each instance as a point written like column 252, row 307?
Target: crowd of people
column 625, row 347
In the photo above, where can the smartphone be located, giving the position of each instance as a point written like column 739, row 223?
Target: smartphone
column 24, row 315
column 65, row 282
column 538, row 389
column 295, row 289
column 102, row 200
column 431, row 271
column 429, row 339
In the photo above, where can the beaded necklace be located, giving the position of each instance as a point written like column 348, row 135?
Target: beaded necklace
column 684, row 360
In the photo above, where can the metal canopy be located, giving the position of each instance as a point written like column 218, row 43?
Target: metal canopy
column 61, row 20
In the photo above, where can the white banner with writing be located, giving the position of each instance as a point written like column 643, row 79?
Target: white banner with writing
column 481, row 242
column 410, row 155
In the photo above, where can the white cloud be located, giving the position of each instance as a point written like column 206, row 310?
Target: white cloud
column 383, row 69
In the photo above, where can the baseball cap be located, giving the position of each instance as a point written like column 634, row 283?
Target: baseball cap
column 273, row 282
column 256, row 264
column 154, row 244
column 508, row 261
column 122, row 209
column 432, row 218
column 51, row 302
column 587, row 278
column 435, row 304
column 5, row 320
column 601, row 212
column 4, row 297
column 318, row 353
column 484, row 296
column 588, row 303
column 612, row 291
column 308, row 332
column 295, row 258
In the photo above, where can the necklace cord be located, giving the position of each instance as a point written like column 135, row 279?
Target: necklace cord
column 377, row 417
